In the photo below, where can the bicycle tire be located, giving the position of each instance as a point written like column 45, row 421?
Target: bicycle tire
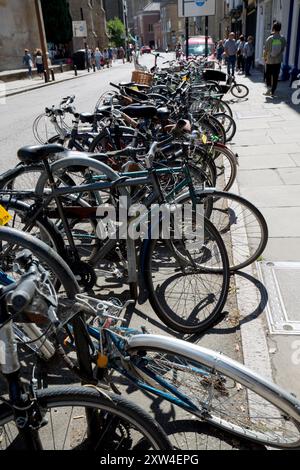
column 229, row 125
column 226, row 166
column 117, row 413
column 45, row 253
column 258, row 410
column 240, row 91
column 210, row 301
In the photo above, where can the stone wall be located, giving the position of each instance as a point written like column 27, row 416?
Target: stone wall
column 18, row 31
column 94, row 14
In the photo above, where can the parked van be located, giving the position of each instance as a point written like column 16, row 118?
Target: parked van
column 197, row 47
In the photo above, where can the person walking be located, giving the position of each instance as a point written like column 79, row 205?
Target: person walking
column 28, row 62
column 110, row 57
column 240, row 55
column 220, row 53
column 39, row 63
column 231, row 52
column 98, row 57
column 273, row 55
column 106, row 58
column 122, row 54
column 249, row 52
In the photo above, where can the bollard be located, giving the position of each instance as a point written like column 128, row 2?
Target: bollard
column 46, row 77
column 75, row 70
column 52, row 75
column 61, row 68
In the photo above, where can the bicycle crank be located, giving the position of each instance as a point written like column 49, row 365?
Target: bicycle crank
column 85, row 274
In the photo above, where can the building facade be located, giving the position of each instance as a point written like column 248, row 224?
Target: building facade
column 113, row 9
column 18, row 31
column 93, row 13
column 145, row 21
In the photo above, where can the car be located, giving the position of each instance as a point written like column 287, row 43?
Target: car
column 197, row 47
column 146, row 50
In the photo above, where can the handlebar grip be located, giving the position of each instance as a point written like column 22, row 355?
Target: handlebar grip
column 115, row 86
column 23, row 294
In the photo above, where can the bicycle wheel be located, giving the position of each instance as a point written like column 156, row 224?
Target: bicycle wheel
column 226, row 166
column 228, row 123
column 116, row 424
column 42, row 228
column 187, row 283
column 242, row 226
column 212, row 128
column 189, row 434
column 240, row 91
column 13, row 241
column 217, row 390
column 24, row 177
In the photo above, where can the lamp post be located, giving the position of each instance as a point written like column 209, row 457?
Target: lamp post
column 125, row 16
column 42, row 34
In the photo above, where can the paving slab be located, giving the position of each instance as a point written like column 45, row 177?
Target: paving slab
column 290, row 176
column 284, row 222
column 296, row 158
column 274, row 196
column 281, row 248
column 261, row 161
column 269, row 149
column 257, row 178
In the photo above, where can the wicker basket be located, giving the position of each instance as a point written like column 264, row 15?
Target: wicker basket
column 142, row 78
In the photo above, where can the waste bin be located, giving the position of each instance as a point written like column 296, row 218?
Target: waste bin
column 79, row 59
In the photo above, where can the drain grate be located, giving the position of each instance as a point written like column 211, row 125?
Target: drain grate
column 282, row 281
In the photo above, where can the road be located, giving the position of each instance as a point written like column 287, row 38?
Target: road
column 17, row 116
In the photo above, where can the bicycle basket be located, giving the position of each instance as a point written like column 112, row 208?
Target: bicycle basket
column 214, row 75
column 142, row 78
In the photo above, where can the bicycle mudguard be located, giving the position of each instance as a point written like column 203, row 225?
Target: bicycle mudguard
column 10, row 174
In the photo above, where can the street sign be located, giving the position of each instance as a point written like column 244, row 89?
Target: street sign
column 79, row 29
column 187, row 8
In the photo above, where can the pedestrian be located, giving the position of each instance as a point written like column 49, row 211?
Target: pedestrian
column 230, row 52
column 273, row 55
column 249, row 52
column 106, row 58
column 98, row 57
column 39, row 63
column 220, row 53
column 93, row 59
column 240, row 55
column 28, row 62
column 110, row 57
column 122, row 54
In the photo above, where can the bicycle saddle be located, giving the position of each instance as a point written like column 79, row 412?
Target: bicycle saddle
column 38, row 153
column 140, row 111
column 163, row 114
column 90, row 118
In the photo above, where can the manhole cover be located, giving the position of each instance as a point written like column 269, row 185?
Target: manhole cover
column 282, row 281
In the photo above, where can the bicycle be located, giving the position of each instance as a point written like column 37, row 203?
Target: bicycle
column 69, row 418
column 210, row 266
column 203, row 383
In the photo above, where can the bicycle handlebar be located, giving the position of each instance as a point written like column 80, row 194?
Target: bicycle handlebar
column 23, row 294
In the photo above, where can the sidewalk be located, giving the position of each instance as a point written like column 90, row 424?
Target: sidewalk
column 268, row 144
column 16, row 87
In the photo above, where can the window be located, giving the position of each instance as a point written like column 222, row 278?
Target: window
column 150, row 28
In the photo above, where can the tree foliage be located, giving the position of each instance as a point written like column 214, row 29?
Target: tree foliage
column 58, row 21
column 116, row 31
